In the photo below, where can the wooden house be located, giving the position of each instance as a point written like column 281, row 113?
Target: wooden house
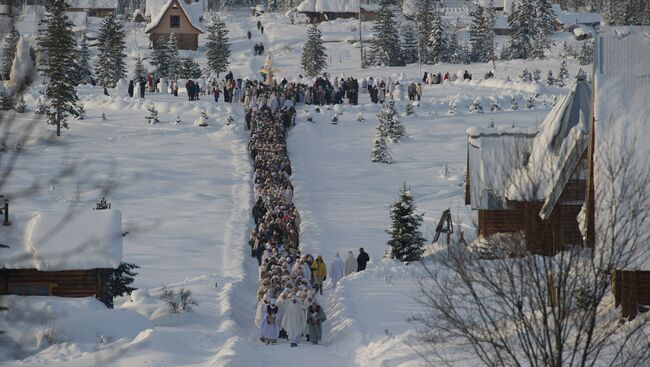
column 62, row 254
column 179, row 17
column 618, row 193
column 530, row 182
column 94, row 8
column 318, row 11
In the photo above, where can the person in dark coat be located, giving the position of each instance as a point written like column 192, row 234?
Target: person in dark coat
column 105, row 91
column 259, row 24
column 248, row 34
column 262, row 29
column 130, row 88
column 362, row 260
column 142, row 86
column 256, row 49
column 261, row 48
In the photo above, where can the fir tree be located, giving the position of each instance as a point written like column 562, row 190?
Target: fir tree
column 9, row 52
column 218, row 45
column 550, row 79
column 152, row 119
column 174, row 57
column 58, row 43
column 530, row 103
column 160, row 59
column 537, row 74
column 514, row 105
column 314, row 59
column 437, row 47
column 84, row 72
column 41, row 107
column 563, row 74
column 121, row 278
column 380, row 151
column 544, row 27
column 6, row 102
column 190, row 69
column 522, row 23
column 202, row 120
column 425, row 10
column 22, row 106
column 406, row 241
column 139, row 72
column 389, row 120
column 452, row 108
column 477, row 35
column 587, row 52
column 111, row 66
column 81, row 112
column 490, row 22
column 385, row 46
column 494, row 105
column 409, row 109
column 476, row 107
column 409, row 45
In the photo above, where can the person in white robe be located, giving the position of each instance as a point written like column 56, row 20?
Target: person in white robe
column 165, row 86
column 136, row 90
column 258, row 314
column 270, row 328
column 350, row 265
column 336, row 270
column 294, row 320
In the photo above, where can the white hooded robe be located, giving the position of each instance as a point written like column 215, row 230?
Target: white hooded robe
column 294, row 320
column 350, row 264
column 336, row 270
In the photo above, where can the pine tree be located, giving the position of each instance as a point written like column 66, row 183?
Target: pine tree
column 160, row 59
column 437, row 46
column 9, row 52
column 218, row 45
column 314, row 59
column 174, row 57
column 522, row 23
column 178, row 119
column 385, row 46
column 537, row 74
column 81, row 112
column 121, row 278
column 84, row 72
column 152, row 119
column 406, row 242
column 530, row 103
column 111, row 66
column 514, row 105
column 58, row 43
column 562, row 75
column 22, row 106
column 6, row 102
column 587, row 52
column 202, row 120
column 190, row 69
column 139, row 72
column 392, row 127
column 476, row 107
column 41, row 107
column 409, row 109
column 544, row 26
column 425, row 9
column 380, row 151
column 490, row 22
column 550, row 79
column 477, row 35
column 409, row 45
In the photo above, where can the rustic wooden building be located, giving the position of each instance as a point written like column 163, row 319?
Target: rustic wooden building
column 618, row 161
column 183, row 19
column 318, row 11
column 534, row 182
column 94, row 8
column 56, row 256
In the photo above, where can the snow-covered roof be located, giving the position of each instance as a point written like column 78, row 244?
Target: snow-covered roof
column 156, row 10
column 7, row 9
column 92, row 4
column 557, row 149
column 79, row 19
column 329, row 6
column 494, row 154
column 501, row 22
column 622, row 117
column 59, row 240
column 567, row 17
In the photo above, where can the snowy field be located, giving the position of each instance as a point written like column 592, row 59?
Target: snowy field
column 185, row 195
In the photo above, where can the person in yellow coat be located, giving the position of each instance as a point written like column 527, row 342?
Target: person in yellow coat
column 319, row 273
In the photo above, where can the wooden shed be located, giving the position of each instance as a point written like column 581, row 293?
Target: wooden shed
column 165, row 17
column 533, row 182
column 618, row 161
column 62, row 254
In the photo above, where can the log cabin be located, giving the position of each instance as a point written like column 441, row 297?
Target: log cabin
column 93, row 8
column 62, row 254
column 534, row 182
column 318, row 11
column 180, row 17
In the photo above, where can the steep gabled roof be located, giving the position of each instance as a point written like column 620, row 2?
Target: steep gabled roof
column 556, row 151
column 156, row 10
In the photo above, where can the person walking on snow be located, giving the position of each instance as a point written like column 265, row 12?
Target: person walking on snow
column 336, row 270
column 319, row 273
column 142, row 87
column 248, row 34
column 293, row 321
column 269, row 327
column 130, row 90
column 362, row 260
column 315, row 321
column 350, row 264
column 262, row 29
column 259, row 24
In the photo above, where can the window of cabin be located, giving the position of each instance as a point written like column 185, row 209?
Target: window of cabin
column 174, row 6
column 175, row 21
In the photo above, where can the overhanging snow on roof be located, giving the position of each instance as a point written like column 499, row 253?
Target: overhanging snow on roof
column 156, row 10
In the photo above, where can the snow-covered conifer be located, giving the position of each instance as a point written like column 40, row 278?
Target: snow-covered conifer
column 178, row 119
column 104, row 118
column 562, row 75
column 537, row 74
column 174, row 57
column 58, row 43
column 160, row 58
column 110, row 66
column 437, row 45
column 202, row 120
column 587, row 52
column 22, row 66
column 139, row 71
column 380, row 151
column 314, row 58
column 22, row 106
column 494, row 104
column 81, row 112
column 41, row 107
column 476, row 107
column 550, row 79
column 190, row 69
column 479, row 32
column 514, row 105
column 360, row 117
column 84, row 72
column 390, row 122
column 409, row 45
column 409, row 109
column 218, row 45
column 152, row 118
column 9, row 52
column 452, row 108
column 424, row 11
column 530, row 102
column 385, row 46
column 522, row 23
column 544, row 27
column 406, row 241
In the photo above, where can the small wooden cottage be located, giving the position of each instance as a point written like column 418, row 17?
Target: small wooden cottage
column 533, row 183
column 62, row 254
column 618, row 193
column 179, row 17
column 94, row 8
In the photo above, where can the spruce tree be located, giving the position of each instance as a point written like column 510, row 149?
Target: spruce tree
column 174, row 57
column 380, row 151
column 437, row 46
column 314, row 59
column 522, row 23
column 160, row 58
column 190, row 69
column 562, row 75
column 544, row 27
column 22, row 106
column 9, row 52
column 218, row 45
column 425, row 10
column 120, row 280
column 490, row 22
column 58, row 43
column 550, row 79
column 406, row 242
column 390, row 123
column 84, row 72
column 139, row 72
column 477, row 35
column 409, row 45
column 587, row 52
column 111, row 66
column 202, row 120
column 385, row 46
column 152, row 119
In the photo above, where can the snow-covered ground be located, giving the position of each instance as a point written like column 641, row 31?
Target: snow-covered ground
column 185, row 196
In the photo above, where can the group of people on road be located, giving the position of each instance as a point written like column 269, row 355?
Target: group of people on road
column 433, row 78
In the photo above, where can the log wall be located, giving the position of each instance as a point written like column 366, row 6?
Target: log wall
column 631, row 290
